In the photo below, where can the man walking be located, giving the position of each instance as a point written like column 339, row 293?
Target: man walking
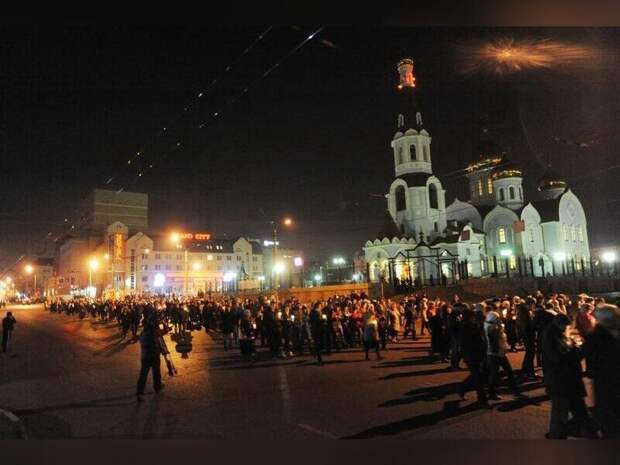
column 8, row 323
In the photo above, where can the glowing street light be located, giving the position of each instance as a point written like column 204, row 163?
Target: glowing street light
column 560, row 256
column 196, row 266
column 609, row 256
column 93, row 264
column 29, row 269
column 175, row 238
column 318, row 278
column 274, row 225
column 338, row 261
column 278, row 268
column 505, row 252
column 229, row 276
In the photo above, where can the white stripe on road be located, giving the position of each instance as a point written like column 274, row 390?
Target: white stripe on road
column 317, row 431
column 18, row 423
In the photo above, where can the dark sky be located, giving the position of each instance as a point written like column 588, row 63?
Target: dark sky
column 311, row 140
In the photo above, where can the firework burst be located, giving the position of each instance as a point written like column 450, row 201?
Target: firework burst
column 506, row 56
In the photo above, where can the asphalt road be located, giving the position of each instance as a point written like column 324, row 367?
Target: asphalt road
column 66, row 378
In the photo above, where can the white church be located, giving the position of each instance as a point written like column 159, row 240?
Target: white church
column 494, row 233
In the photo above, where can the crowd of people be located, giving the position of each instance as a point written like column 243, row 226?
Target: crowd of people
column 554, row 333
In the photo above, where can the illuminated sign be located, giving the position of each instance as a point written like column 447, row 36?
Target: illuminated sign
column 118, row 246
column 195, row 236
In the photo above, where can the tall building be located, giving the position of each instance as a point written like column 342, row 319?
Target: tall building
column 495, row 231
column 105, row 207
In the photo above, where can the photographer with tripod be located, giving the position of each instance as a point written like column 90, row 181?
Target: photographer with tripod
column 151, row 348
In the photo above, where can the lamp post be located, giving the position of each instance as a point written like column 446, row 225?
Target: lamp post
column 93, row 264
column 29, row 269
column 609, row 257
column 338, row 262
column 175, row 238
column 560, row 257
column 196, row 267
column 274, row 252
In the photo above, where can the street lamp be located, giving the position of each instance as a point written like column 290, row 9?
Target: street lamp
column 561, row 257
column 274, row 225
column 29, row 269
column 93, row 264
column 339, row 262
column 608, row 256
column 175, row 238
column 278, row 268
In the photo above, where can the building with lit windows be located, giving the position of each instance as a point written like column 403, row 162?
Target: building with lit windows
column 496, row 231
column 121, row 263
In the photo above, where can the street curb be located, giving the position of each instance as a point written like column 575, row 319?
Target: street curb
column 14, row 421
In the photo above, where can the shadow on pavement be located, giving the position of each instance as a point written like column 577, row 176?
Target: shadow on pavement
column 433, row 393
column 114, row 348
column 405, row 362
column 451, row 409
column 415, row 373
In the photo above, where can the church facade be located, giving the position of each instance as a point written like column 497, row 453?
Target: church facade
column 497, row 231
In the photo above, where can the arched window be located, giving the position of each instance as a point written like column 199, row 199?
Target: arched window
column 502, row 196
column 489, row 185
column 401, row 201
column 401, row 121
column 511, row 192
column 400, row 156
column 480, row 191
column 520, row 193
column 412, row 153
column 565, row 232
column 432, row 196
column 426, row 155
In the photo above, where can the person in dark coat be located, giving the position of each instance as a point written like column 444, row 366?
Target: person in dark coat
column 563, row 382
column 473, row 346
column 438, row 325
column 273, row 331
column 318, row 326
column 410, row 317
column 527, row 333
column 150, row 352
column 454, row 326
column 247, row 335
column 543, row 315
column 602, row 348
column 8, row 323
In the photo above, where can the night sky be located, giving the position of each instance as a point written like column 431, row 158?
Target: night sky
column 311, row 140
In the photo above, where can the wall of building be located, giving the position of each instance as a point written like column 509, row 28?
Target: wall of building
column 312, row 294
